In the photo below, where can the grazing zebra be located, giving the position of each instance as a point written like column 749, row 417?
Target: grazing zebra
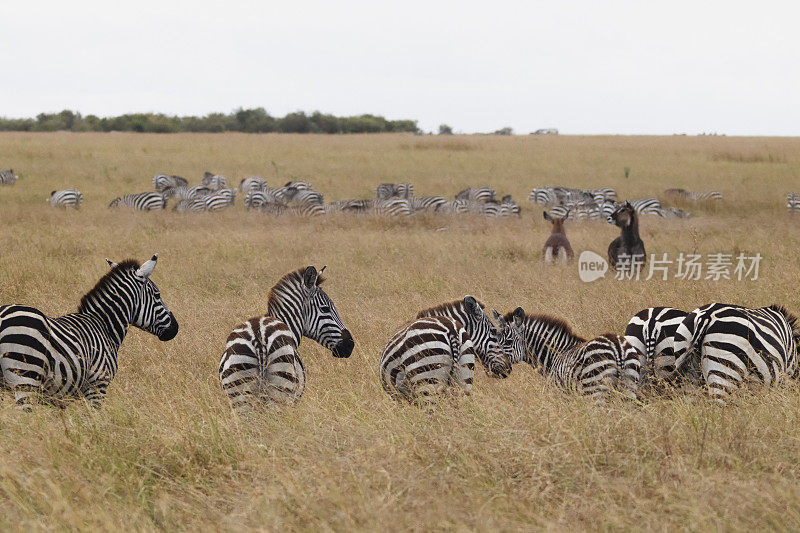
column 602, row 194
column 731, row 344
column 299, row 185
column 543, row 196
column 143, row 201
column 185, row 192
column 385, row 191
column 427, row 203
column 66, row 198
column 75, row 355
column 220, row 200
column 394, row 207
column 162, row 181
column 496, row 209
column 253, row 183
column 307, row 196
column 349, row 206
column 191, row 204
column 494, row 356
column 651, row 332
column 214, row 181
column 261, row 361
column 707, row 196
column 673, row 212
column 793, row 202
column 572, row 363
column 255, row 199
column 477, row 194
column 576, row 211
column 7, row 177
column 646, row 206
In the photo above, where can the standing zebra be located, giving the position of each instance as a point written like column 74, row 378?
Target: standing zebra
column 494, row 356
column 75, row 355
column 732, row 344
column 7, row 177
column 651, row 332
column 162, row 181
column 261, row 361
column 590, row 367
column 66, row 198
column 220, row 200
column 477, row 194
column 143, row 201
column 793, row 202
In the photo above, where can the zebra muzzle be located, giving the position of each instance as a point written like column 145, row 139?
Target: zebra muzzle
column 345, row 346
column 169, row 333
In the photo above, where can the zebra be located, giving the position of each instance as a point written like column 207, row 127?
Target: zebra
column 673, row 212
column 426, row 357
column 394, row 207
column 75, row 355
column 477, row 194
column 253, row 183
column 494, row 356
column 214, row 181
column 143, row 201
column 307, row 196
column 793, row 202
column 576, row 211
column 461, row 207
column 255, row 198
column 385, row 191
column 427, row 203
column 349, row 206
column 646, row 206
column 66, row 198
column 543, row 196
column 162, row 181
column 220, row 200
column 566, row 195
column 302, row 210
column 571, row 362
column 261, row 361
column 299, row 185
column 190, row 204
column 707, row 196
column 651, row 332
column 499, row 210
column 7, row 177
column 185, row 192
column 731, row 344
column 602, row 194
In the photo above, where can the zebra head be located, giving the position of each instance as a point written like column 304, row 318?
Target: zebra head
column 321, row 321
column 148, row 310
column 512, row 342
column 488, row 344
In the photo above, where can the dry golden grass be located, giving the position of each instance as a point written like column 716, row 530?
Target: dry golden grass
column 165, row 452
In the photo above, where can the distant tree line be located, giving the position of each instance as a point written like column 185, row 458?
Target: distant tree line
column 244, row 120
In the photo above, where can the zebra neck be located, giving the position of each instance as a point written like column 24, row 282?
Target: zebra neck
column 291, row 315
column 111, row 314
column 545, row 343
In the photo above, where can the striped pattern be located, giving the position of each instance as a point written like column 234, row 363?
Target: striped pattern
column 185, row 192
column 428, row 357
column 592, row 367
column 477, row 194
column 214, row 181
column 651, row 332
column 261, row 361
column 163, row 181
column 75, row 355
column 646, row 206
column 7, row 177
column 427, row 203
column 385, row 191
column 253, row 183
column 793, row 202
column 495, row 358
column 394, row 207
column 143, row 201
column 66, row 198
column 706, row 196
column 731, row 344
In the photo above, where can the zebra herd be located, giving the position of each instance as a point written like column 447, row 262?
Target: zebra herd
column 75, row 356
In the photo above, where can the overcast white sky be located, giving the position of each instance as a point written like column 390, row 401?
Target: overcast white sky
column 581, row 66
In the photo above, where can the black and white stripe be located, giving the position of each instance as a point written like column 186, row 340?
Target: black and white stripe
column 477, row 194
column 214, row 181
column 75, row 355
column 7, row 177
column 394, row 207
column 253, row 183
column 261, row 361
column 646, row 206
column 592, row 367
column 705, row 196
column 385, row 191
column 731, row 344
column 543, row 196
column 495, row 357
column 185, row 192
column 793, row 202
column 66, row 198
column 427, row 203
column 651, row 332
column 143, row 201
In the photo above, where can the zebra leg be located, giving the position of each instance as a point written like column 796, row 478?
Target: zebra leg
column 24, row 375
column 463, row 370
column 722, row 370
column 240, row 380
column 95, row 392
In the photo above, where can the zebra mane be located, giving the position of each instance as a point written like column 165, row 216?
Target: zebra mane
column 791, row 319
column 433, row 311
column 128, row 264
column 550, row 321
column 290, row 279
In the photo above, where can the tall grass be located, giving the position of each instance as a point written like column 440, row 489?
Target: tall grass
column 165, row 452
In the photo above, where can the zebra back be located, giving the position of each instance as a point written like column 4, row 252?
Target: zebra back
column 477, row 194
column 651, row 332
column 66, row 198
column 143, row 201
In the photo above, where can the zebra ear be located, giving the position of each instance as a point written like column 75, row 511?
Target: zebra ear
column 147, row 268
column 498, row 318
column 111, row 263
column 310, row 277
column 519, row 314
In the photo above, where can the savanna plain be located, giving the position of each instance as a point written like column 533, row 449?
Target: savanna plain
column 165, row 451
